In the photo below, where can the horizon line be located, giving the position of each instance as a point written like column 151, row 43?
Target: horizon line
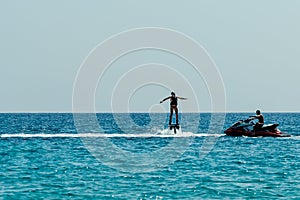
column 267, row 111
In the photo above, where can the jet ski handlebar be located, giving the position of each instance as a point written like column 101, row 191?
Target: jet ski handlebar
column 250, row 119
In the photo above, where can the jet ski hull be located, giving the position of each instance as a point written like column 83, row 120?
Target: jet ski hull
column 246, row 128
column 237, row 133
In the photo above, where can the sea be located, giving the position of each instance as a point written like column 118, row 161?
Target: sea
column 136, row 156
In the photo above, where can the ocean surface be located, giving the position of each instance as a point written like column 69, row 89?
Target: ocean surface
column 135, row 156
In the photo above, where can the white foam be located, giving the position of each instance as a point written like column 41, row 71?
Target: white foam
column 295, row 137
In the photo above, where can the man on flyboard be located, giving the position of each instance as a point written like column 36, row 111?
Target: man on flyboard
column 173, row 106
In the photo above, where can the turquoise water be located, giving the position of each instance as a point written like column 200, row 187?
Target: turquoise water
column 66, row 168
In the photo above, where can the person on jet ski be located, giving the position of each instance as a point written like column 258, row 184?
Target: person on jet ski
column 260, row 122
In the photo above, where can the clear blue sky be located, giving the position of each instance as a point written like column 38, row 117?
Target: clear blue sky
column 255, row 45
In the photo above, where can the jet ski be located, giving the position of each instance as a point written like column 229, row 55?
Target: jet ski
column 246, row 128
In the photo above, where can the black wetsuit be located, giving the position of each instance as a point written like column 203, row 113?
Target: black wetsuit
column 173, row 105
column 173, row 101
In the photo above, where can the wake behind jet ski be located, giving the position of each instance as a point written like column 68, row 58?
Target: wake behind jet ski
column 249, row 128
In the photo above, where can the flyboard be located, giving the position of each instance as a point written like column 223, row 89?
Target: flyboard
column 174, row 127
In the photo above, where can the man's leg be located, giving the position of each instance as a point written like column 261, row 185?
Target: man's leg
column 254, row 128
column 176, row 112
column 171, row 115
column 257, row 126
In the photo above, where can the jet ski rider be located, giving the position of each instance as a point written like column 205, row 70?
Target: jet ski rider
column 173, row 106
column 260, row 122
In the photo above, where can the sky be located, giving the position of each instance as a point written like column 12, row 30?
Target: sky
column 254, row 44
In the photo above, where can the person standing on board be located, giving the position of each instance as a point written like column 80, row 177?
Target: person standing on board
column 260, row 122
column 173, row 105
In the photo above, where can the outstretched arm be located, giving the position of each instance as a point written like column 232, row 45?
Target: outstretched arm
column 164, row 99
column 182, row 98
column 252, row 117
